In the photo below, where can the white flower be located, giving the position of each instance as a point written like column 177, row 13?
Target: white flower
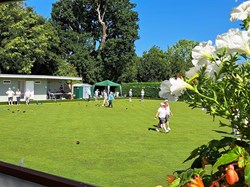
column 235, row 40
column 165, row 85
column 168, row 95
column 178, row 85
column 213, row 68
column 203, row 53
column 192, row 71
column 165, row 91
column 241, row 12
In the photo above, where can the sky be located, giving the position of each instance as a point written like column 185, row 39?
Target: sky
column 164, row 22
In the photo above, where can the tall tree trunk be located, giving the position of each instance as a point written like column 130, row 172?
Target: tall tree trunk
column 104, row 26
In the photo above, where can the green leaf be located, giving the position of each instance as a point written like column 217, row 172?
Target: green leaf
column 239, row 150
column 231, row 156
column 175, row 183
column 215, row 95
column 247, row 174
column 242, row 162
column 9, row 1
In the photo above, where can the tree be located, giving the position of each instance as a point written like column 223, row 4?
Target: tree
column 130, row 72
column 119, row 50
column 27, row 41
column 9, row 1
column 179, row 56
column 153, row 66
column 100, row 34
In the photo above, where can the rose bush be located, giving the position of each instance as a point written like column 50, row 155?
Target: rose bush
column 219, row 82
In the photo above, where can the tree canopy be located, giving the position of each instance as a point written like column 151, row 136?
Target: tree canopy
column 26, row 41
column 97, row 37
column 179, row 57
column 156, row 65
column 93, row 39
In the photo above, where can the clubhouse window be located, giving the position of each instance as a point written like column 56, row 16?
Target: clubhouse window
column 6, row 81
column 37, row 82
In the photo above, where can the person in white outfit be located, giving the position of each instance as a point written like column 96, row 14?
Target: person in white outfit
column 96, row 94
column 161, row 115
column 27, row 96
column 89, row 94
column 18, row 96
column 169, row 113
column 130, row 94
column 142, row 94
column 10, row 95
column 105, row 98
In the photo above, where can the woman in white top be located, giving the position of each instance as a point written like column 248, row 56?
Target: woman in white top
column 18, row 96
column 161, row 114
column 96, row 94
column 130, row 94
column 105, row 98
column 27, row 96
column 169, row 113
column 10, row 95
column 142, row 94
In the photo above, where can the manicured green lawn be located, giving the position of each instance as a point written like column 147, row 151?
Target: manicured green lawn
column 116, row 148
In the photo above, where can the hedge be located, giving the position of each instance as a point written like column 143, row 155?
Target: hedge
column 151, row 89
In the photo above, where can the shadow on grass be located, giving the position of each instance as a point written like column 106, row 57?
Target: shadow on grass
column 221, row 132
column 155, row 129
column 152, row 129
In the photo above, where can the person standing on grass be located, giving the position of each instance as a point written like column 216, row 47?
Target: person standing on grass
column 105, row 98
column 142, row 94
column 88, row 94
column 169, row 113
column 161, row 115
column 27, row 96
column 130, row 94
column 111, row 98
column 96, row 94
column 18, row 96
column 10, row 94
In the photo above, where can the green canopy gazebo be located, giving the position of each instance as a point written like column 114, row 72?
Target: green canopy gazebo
column 108, row 84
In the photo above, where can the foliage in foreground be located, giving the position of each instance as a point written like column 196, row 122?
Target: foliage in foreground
column 219, row 84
